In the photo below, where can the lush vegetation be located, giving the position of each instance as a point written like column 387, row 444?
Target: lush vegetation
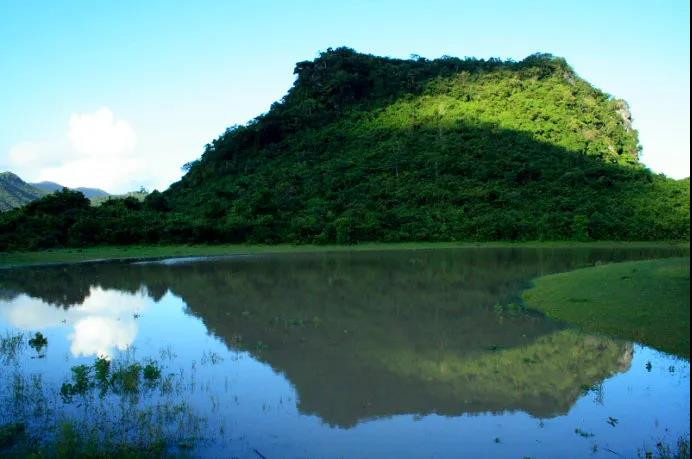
column 120, row 408
column 645, row 301
column 365, row 148
column 14, row 192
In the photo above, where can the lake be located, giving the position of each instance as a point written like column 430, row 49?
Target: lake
column 411, row 353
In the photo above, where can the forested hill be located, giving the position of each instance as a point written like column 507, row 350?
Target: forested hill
column 366, row 148
column 372, row 148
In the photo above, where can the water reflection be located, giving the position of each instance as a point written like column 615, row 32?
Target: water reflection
column 103, row 323
column 359, row 335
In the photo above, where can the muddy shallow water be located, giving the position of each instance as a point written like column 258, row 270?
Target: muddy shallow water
column 424, row 353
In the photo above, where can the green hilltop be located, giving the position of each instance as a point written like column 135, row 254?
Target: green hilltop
column 367, row 148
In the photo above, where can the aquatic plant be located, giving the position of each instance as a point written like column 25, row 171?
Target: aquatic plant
column 509, row 309
column 10, row 345
column 211, row 357
column 663, row 450
column 151, row 372
column 109, row 423
column 102, row 368
column 81, row 383
column 126, row 378
column 583, row 433
column 10, row 434
column 38, row 342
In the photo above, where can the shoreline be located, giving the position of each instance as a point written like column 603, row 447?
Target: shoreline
column 102, row 254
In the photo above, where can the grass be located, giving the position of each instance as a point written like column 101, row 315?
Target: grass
column 11, row 345
column 129, row 408
column 59, row 256
column 10, row 434
column 644, row 301
column 681, row 450
column 120, row 408
column 38, row 342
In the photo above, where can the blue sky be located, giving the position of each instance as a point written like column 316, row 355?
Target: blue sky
column 119, row 94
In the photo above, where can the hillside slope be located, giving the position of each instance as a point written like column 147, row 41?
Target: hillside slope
column 371, row 148
column 14, row 192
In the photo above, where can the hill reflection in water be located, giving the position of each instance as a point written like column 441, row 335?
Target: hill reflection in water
column 359, row 335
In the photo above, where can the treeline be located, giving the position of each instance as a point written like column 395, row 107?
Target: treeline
column 364, row 148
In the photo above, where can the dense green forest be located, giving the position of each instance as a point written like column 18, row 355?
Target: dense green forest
column 366, row 148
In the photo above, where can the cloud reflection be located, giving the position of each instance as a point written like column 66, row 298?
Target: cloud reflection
column 103, row 324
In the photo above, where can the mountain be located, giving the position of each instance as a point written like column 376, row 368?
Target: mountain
column 368, row 148
column 14, row 192
column 48, row 187
column 90, row 193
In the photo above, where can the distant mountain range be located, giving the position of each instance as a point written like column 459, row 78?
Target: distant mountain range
column 88, row 192
column 15, row 192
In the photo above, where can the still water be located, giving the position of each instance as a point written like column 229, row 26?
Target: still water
column 366, row 354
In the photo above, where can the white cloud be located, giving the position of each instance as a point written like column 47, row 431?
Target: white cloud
column 98, row 150
column 113, row 174
column 100, row 134
column 26, row 153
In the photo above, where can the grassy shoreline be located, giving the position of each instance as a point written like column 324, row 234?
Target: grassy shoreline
column 105, row 253
column 645, row 301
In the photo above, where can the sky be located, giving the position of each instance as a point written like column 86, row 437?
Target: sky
column 120, row 94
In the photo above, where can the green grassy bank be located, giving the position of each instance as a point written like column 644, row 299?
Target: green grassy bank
column 645, row 301
column 55, row 256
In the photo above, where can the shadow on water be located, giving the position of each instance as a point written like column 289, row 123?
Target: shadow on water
column 375, row 334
